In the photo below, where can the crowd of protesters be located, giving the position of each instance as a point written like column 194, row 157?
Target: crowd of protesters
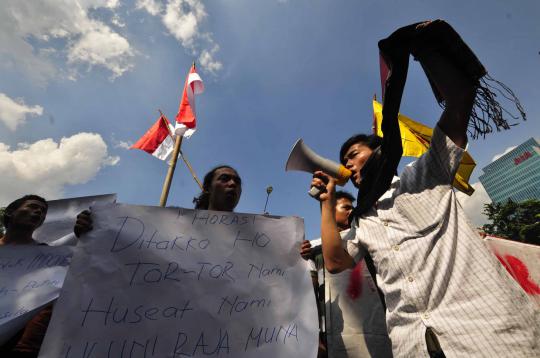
column 443, row 292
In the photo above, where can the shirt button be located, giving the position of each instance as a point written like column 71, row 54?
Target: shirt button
column 410, row 278
column 385, row 223
column 425, row 316
column 395, row 247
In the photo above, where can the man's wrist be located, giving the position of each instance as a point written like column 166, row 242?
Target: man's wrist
column 328, row 205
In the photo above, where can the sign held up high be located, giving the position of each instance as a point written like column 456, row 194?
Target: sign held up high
column 173, row 282
column 31, row 277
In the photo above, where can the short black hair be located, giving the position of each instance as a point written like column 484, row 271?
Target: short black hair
column 342, row 194
column 14, row 205
column 372, row 141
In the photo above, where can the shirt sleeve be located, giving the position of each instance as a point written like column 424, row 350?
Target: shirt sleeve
column 351, row 244
column 438, row 165
column 443, row 156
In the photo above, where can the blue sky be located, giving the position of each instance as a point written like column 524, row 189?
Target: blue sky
column 81, row 79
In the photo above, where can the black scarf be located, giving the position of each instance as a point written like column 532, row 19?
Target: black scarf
column 438, row 36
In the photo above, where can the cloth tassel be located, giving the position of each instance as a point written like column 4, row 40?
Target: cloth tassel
column 488, row 112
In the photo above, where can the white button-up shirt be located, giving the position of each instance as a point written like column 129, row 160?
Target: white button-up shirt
column 435, row 271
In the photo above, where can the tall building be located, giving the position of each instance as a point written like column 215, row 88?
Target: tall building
column 515, row 175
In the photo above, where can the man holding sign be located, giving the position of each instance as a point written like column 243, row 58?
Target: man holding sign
column 37, row 270
column 22, row 217
column 174, row 282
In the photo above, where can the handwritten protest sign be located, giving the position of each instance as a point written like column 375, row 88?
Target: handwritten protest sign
column 30, row 277
column 522, row 262
column 61, row 215
column 172, row 282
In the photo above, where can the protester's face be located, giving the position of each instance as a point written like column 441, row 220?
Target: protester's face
column 355, row 158
column 343, row 210
column 225, row 190
column 29, row 215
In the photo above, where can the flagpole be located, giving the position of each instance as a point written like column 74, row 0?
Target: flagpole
column 191, row 170
column 172, row 165
column 170, row 172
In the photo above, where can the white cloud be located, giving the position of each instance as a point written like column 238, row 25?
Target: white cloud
column 112, row 4
column 15, row 112
column 474, row 205
column 183, row 19
column 507, row 150
column 27, row 27
column 151, row 6
column 102, row 47
column 206, row 59
column 123, row 144
column 46, row 167
column 117, row 21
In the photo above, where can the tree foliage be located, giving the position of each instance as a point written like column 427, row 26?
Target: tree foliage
column 514, row 221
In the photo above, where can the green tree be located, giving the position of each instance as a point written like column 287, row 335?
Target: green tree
column 514, row 221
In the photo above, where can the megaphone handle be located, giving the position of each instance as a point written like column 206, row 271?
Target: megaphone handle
column 314, row 192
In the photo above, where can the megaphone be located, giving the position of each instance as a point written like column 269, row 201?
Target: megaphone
column 304, row 159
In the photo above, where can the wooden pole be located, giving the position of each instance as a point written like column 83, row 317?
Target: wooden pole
column 172, row 166
column 191, row 170
column 170, row 172
column 172, row 163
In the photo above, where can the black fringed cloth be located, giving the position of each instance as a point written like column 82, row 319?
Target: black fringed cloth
column 436, row 36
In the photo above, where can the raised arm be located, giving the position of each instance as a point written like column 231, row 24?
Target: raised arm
column 458, row 92
column 336, row 259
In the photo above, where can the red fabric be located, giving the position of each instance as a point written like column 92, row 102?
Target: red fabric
column 27, row 342
column 354, row 290
column 153, row 138
column 384, row 74
column 520, row 273
column 186, row 115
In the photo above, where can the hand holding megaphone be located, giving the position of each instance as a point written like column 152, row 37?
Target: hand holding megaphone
column 322, row 184
column 304, row 159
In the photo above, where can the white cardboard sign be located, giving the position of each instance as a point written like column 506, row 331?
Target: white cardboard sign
column 31, row 276
column 61, row 216
column 173, row 282
column 522, row 262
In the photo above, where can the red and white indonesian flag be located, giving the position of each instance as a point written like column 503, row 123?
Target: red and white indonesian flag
column 185, row 119
column 157, row 140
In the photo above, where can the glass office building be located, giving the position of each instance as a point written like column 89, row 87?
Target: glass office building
column 515, row 175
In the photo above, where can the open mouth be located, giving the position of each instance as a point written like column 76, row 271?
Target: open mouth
column 35, row 218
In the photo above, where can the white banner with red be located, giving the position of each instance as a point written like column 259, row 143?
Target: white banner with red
column 522, row 261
